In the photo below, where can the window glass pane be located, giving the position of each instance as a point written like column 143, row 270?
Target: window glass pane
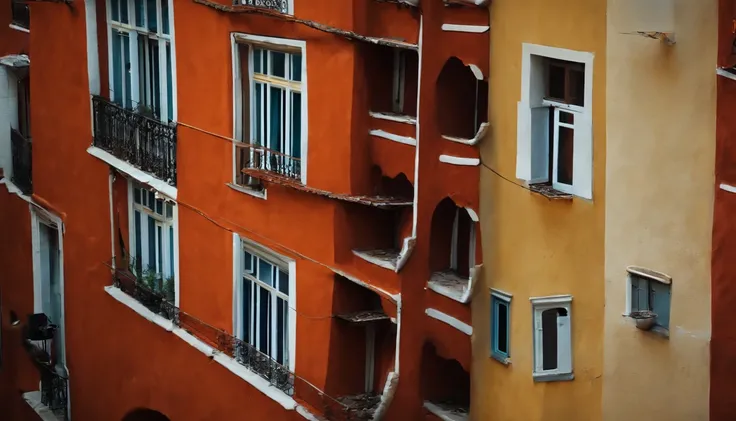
column 115, row 10
column 549, row 339
column 265, row 272
column 258, row 105
column 247, row 262
column 264, row 65
column 126, row 69
column 169, row 83
column 565, row 154
column 138, row 245
column 280, row 330
column 117, row 68
column 165, row 16
column 124, row 11
column 275, row 118
column 660, row 297
column 154, row 77
column 556, row 82
column 278, row 64
column 139, row 14
column 151, row 245
column 159, row 249
column 503, row 324
column 169, row 211
column 296, row 124
column 151, row 199
column 136, row 195
column 264, row 321
column 160, row 207
column 283, row 282
column 296, row 67
column 257, row 60
column 171, row 251
column 247, row 294
column 152, row 17
column 143, row 88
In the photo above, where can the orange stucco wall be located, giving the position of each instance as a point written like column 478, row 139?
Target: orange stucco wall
column 129, row 362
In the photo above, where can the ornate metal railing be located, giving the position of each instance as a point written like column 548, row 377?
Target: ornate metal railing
column 20, row 13
column 54, row 392
column 244, row 353
column 277, row 5
column 38, row 338
column 142, row 141
column 257, row 157
column 21, row 149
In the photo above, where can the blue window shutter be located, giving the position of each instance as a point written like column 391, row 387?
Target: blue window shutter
column 151, row 244
column 138, row 245
column 661, row 298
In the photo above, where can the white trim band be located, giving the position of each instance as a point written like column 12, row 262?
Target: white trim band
column 457, row 160
column 446, row 318
column 140, row 176
column 396, row 138
column 471, row 29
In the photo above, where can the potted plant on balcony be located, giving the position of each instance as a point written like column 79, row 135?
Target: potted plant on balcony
column 645, row 319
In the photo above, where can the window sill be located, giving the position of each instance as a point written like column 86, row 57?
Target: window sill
column 553, row 377
column 547, row 191
column 248, row 191
column 262, row 385
column 447, row 412
column 19, row 28
column 33, row 399
column 501, row 359
column 655, row 330
column 398, row 118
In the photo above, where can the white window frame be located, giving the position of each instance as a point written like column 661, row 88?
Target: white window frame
column 242, row 38
column 239, row 246
column 455, row 235
column 564, row 370
column 174, row 223
column 134, row 33
column 399, row 81
column 532, row 157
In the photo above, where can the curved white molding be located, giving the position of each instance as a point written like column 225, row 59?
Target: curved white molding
column 727, row 187
column 398, row 118
column 482, row 130
column 650, row 274
column 396, row 138
column 446, row 318
column 476, row 71
column 472, row 213
column 408, row 247
column 19, row 28
column 140, row 176
column 456, row 160
column 472, row 29
column 389, row 391
column 725, row 73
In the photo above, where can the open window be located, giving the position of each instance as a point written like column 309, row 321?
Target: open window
column 270, row 111
column 20, row 14
column 452, row 249
column 649, row 299
column 445, row 386
column 462, row 100
column 552, row 338
column 554, row 147
column 392, row 79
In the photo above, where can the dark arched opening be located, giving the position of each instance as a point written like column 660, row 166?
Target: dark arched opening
column 145, row 414
column 462, row 100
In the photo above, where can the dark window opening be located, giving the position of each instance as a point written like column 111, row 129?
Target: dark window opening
column 549, row 339
column 565, row 82
column 452, row 239
column 392, row 79
column 462, row 100
column 444, row 381
column 144, row 414
column 20, row 14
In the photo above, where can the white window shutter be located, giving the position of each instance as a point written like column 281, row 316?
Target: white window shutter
column 583, row 156
column 523, row 141
column 538, row 349
column 540, row 144
column 564, row 344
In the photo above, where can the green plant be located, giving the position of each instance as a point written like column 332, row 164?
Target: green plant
column 169, row 289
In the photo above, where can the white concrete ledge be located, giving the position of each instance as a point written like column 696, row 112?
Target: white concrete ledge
column 727, row 187
column 456, row 160
column 445, row 414
column 473, row 29
column 19, row 28
column 452, row 321
column 33, row 399
column 396, row 138
column 480, row 134
column 139, row 308
column 725, row 73
column 398, row 118
column 141, row 176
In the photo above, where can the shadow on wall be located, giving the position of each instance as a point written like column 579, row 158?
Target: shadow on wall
column 145, row 414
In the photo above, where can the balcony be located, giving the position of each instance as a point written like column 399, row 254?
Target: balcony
column 232, row 350
column 146, row 143
column 255, row 161
column 277, row 5
column 22, row 152
column 38, row 337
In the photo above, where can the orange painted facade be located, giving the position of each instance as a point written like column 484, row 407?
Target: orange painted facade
column 117, row 360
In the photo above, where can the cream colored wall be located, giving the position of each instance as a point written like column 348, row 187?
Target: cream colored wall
column 533, row 246
column 659, row 206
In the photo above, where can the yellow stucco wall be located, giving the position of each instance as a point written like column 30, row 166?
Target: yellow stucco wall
column 659, row 207
column 533, row 246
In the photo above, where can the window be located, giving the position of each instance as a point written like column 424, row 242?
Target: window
column 265, row 297
column 399, row 81
column 24, row 101
column 554, row 145
column 552, row 338
column 651, row 294
column 500, row 326
column 20, row 14
column 462, row 253
column 271, row 112
column 152, row 239
column 141, row 67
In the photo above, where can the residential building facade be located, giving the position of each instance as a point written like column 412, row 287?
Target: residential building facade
column 269, row 202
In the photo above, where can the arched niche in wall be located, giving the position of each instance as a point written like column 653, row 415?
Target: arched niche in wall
column 462, row 100
column 145, row 414
column 445, row 385
column 452, row 239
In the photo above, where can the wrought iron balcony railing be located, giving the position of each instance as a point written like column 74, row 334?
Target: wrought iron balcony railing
column 255, row 157
column 277, row 5
column 22, row 163
column 142, row 141
column 20, row 13
column 244, row 353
